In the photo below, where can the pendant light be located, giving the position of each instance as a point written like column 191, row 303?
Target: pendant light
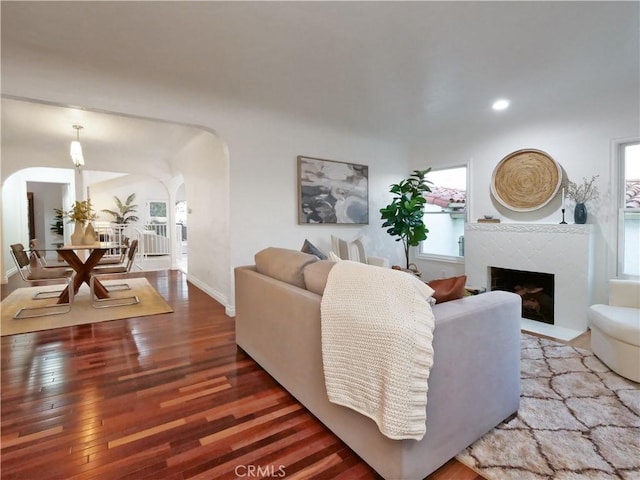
column 76, row 149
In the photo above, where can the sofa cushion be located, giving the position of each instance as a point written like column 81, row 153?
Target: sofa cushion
column 284, row 264
column 447, row 289
column 308, row 247
column 316, row 274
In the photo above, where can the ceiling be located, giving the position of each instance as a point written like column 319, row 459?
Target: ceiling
column 41, row 133
column 408, row 71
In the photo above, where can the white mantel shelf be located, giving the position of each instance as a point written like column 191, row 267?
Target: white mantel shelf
column 564, row 250
column 572, row 228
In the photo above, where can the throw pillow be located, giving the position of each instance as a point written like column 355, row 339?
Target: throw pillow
column 308, row 247
column 447, row 289
column 348, row 250
column 333, row 257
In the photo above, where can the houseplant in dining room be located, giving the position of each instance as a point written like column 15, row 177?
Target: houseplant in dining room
column 124, row 213
column 403, row 216
column 581, row 194
column 81, row 213
column 57, row 227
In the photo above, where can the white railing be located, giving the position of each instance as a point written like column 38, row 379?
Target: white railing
column 153, row 238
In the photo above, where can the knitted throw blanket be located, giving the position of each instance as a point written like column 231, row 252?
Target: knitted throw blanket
column 377, row 329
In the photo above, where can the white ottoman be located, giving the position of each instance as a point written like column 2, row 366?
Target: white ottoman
column 615, row 329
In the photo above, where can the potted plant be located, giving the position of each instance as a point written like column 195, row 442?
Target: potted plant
column 81, row 213
column 57, row 227
column 403, row 216
column 125, row 211
column 581, row 194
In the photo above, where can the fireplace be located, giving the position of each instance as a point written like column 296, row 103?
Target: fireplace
column 564, row 250
column 535, row 288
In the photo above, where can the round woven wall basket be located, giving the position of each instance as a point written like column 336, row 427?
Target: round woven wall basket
column 526, row 180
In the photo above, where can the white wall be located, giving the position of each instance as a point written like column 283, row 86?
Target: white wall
column 579, row 141
column 15, row 227
column 146, row 189
column 205, row 169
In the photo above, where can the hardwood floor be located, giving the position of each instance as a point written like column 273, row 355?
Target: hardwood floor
column 159, row 397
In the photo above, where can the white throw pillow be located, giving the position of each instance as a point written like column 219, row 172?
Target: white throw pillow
column 334, row 258
column 348, row 250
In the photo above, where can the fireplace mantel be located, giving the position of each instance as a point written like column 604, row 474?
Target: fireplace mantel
column 566, row 251
column 585, row 229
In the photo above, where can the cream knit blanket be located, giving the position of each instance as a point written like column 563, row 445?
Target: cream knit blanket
column 377, row 329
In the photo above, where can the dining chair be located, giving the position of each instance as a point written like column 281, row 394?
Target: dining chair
column 120, row 271
column 36, row 276
column 39, row 255
column 118, row 259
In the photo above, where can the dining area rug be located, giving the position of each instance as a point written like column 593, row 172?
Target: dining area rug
column 151, row 303
column 577, row 420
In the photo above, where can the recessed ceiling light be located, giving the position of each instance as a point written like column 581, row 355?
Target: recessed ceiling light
column 501, row 104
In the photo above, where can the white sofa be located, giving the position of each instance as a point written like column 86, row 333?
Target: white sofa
column 615, row 329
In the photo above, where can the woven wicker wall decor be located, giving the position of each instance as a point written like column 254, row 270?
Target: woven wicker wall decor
column 526, row 180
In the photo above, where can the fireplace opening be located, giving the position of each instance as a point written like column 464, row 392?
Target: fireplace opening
column 536, row 290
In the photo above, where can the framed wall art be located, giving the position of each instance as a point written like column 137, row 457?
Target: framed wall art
column 332, row 192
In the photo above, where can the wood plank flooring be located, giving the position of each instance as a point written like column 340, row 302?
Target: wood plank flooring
column 159, row 397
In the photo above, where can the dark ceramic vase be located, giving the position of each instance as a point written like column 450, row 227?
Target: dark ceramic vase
column 580, row 213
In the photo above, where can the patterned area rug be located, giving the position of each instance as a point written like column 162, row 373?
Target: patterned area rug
column 577, row 420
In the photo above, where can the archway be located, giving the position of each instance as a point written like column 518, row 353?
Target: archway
column 171, row 153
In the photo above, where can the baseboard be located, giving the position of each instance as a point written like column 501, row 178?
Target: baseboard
column 217, row 296
column 10, row 273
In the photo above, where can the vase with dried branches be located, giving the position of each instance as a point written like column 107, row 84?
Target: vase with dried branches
column 581, row 194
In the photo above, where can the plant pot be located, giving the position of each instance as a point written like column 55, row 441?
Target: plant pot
column 580, row 213
column 77, row 237
column 89, row 234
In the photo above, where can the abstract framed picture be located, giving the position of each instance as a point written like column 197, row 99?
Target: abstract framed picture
column 332, row 192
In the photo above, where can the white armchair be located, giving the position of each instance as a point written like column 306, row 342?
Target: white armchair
column 355, row 251
column 615, row 329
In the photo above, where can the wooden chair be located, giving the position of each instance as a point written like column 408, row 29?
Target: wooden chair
column 120, row 270
column 37, row 276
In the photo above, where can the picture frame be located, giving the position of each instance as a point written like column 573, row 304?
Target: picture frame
column 332, row 192
column 157, row 211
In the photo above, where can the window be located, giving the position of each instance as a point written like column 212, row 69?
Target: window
column 445, row 214
column 629, row 210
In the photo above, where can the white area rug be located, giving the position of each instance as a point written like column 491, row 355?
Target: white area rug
column 151, row 303
column 577, row 420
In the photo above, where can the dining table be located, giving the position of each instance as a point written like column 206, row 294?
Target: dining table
column 83, row 268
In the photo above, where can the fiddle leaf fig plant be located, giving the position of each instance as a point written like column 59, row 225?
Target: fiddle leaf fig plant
column 403, row 216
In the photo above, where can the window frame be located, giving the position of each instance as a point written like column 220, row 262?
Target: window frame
column 619, row 176
column 436, row 257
